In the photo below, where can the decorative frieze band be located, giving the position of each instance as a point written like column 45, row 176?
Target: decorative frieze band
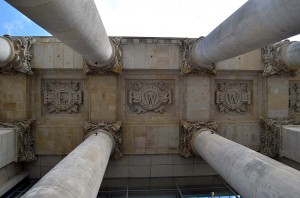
column 187, row 132
column 24, row 137
column 115, row 64
column 22, row 56
column 270, row 136
column 273, row 60
column 188, row 65
column 113, row 128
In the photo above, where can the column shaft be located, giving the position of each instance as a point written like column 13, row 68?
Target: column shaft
column 6, row 51
column 80, row 173
column 291, row 55
column 254, row 25
column 252, row 174
column 76, row 23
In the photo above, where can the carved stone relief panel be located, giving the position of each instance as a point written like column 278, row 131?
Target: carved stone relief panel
column 233, row 96
column 62, row 96
column 294, row 97
column 149, row 96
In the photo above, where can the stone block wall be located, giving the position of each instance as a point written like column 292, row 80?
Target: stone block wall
column 60, row 97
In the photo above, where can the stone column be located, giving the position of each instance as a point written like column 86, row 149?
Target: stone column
column 76, row 23
column 250, row 173
column 15, row 54
column 254, row 25
column 282, row 58
column 81, row 172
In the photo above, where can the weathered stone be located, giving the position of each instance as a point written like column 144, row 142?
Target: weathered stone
column 112, row 128
column 25, row 140
column 273, row 60
column 270, row 136
column 294, row 97
column 21, row 58
column 114, row 66
column 188, row 64
column 189, row 129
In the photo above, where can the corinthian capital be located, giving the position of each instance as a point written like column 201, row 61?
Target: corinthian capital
column 188, row 131
column 24, row 138
column 188, row 65
column 21, row 55
column 113, row 66
column 113, row 128
column 273, row 60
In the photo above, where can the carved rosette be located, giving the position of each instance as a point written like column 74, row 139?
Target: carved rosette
column 188, row 65
column 62, row 96
column 273, row 61
column 149, row 97
column 294, row 97
column 21, row 61
column 187, row 132
column 24, row 137
column 113, row 128
column 113, row 67
column 233, row 97
column 270, row 136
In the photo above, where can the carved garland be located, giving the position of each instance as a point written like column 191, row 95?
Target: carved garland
column 294, row 97
column 189, row 129
column 113, row 128
column 21, row 61
column 270, row 136
column 25, row 140
column 273, row 61
column 188, row 66
column 113, row 67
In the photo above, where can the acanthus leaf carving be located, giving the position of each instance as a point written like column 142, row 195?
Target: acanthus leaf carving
column 115, row 64
column 63, row 96
column 25, row 140
column 270, row 136
column 233, row 97
column 272, row 58
column 113, row 128
column 294, row 97
column 188, row 65
column 21, row 61
column 189, row 129
column 149, row 97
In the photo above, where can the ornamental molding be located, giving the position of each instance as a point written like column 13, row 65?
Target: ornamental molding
column 63, row 97
column 22, row 56
column 114, row 65
column 188, row 65
column 24, row 138
column 273, row 60
column 294, row 97
column 113, row 128
column 188, row 131
column 233, row 97
column 149, row 96
column 270, row 136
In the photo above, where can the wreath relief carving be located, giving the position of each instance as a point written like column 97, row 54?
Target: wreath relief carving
column 149, row 96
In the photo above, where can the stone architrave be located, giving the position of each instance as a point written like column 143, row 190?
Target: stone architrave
column 273, row 60
column 113, row 128
column 63, row 96
column 149, row 96
column 24, row 138
column 188, row 65
column 187, row 132
column 22, row 56
column 294, row 97
column 270, row 136
column 233, row 97
column 114, row 66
